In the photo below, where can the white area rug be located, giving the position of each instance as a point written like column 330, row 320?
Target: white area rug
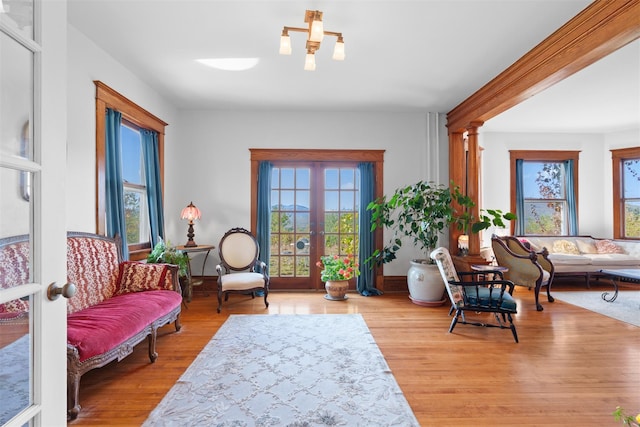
column 626, row 307
column 287, row 370
column 14, row 378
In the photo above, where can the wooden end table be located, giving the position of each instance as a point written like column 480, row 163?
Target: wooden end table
column 192, row 250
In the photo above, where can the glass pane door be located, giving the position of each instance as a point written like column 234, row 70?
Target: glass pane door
column 314, row 212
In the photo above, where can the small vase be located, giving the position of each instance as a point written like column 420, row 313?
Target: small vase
column 336, row 289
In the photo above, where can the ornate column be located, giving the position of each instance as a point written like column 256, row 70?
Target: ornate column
column 472, row 179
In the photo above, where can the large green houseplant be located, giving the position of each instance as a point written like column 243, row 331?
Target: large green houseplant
column 422, row 211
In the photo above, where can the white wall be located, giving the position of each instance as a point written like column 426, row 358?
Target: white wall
column 86, row 63
column 207, row 152
column 210, row 165
column 594, row 171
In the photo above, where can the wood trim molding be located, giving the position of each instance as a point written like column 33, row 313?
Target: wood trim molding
column 129, row 109
column 601, row 28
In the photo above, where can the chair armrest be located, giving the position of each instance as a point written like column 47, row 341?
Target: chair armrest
column 544, row 261
column 476, row 274
column 508, row 285
column 174, row 271
column 264, row 268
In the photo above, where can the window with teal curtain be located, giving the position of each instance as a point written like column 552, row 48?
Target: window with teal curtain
column 263, row 226
column 154, row 184
column 366, row 280
column 115, row 217
column 520, row 221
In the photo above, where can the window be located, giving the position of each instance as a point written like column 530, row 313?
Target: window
column 545, row 192
column 626, row 193
column 135, row 122
column 136, row 210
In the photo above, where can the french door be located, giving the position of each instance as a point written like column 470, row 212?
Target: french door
column 314, row 212
column 32, row 191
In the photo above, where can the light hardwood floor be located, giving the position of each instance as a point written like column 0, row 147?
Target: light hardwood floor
column 571, row 367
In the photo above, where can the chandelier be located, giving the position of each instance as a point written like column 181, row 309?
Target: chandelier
column 315, row 33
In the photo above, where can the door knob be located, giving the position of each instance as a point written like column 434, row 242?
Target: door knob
column 54, row 291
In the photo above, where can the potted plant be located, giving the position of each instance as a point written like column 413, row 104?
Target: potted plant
column 167, row 254
column 422, row 211
column 336, row 272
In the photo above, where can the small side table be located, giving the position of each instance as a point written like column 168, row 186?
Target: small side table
column 190, row 250
column 485, row 269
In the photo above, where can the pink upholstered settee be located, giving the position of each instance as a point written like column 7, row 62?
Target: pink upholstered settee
column 116, row 306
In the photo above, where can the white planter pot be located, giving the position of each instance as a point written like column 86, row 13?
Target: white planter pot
column 425, row 283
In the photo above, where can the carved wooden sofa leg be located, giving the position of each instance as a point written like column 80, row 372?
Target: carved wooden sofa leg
column 153, row 354
column 73, row 393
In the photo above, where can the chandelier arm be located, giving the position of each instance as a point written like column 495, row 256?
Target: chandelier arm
column 300, row 30
column 332, row 33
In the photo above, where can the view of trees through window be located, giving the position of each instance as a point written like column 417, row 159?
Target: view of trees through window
column 545, row 198
column 135, row 195
column 631, row 197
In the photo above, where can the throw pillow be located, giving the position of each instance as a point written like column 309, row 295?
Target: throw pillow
column 565, row 247
column 608, row 247
column 138, row 277
column 587, row 246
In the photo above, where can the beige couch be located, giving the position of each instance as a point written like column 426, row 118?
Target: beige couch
column 585, row 255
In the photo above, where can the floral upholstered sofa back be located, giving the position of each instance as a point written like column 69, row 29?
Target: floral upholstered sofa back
column 92, row 265
column 14, row 271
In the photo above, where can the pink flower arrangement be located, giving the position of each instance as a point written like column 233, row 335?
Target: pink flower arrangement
column 336, row 267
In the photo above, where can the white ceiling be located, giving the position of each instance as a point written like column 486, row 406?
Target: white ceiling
column 404, row 56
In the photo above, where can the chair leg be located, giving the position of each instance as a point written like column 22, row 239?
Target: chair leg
column 513, row 328
column 219, row 300
column 537, row 294
column 549, row 297
column 454, row 321
column 266, row 292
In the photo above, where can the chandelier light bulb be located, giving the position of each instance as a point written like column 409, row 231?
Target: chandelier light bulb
column 338, row 50
column 310, row 62
column 317, row 31
column 285, row 45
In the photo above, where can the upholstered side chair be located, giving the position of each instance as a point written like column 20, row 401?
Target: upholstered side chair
column 476, row 296
column 240, row 271
column 526, row 267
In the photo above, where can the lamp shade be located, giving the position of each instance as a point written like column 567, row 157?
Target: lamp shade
column 190, row 213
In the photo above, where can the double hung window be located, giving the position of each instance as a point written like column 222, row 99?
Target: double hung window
column 136, row 210
column 545, row 184
column 626, row 193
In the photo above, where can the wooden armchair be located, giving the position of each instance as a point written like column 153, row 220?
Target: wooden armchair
column 526, row 267
column 476, row 296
